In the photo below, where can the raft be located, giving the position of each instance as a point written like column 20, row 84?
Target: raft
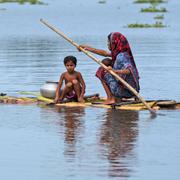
column 126, row 105
column 91, row 101
column 17, row 100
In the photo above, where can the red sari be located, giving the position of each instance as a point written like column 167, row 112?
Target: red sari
column 119, row 44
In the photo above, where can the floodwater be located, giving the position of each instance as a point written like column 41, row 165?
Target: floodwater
column 87, row 143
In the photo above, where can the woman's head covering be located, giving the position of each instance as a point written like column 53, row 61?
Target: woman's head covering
column 119, row 43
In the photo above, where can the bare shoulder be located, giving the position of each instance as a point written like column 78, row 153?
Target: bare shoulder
column 78, row 73
column 63, row 75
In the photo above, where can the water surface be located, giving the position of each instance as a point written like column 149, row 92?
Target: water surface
column 87, row 143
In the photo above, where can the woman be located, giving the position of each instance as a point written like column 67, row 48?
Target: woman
column 122, row 63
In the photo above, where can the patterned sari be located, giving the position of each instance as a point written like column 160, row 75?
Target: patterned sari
column 122, row 59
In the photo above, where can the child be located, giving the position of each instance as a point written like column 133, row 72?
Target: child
column 101, row 71
column 74, row 83
column 107, row 62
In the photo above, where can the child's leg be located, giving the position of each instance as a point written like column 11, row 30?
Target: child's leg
column 68, row 87
column 77, row 89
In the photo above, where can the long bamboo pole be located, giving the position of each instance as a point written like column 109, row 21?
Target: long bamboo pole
column 101, row 64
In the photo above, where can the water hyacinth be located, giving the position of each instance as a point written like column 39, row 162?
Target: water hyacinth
column 153, row 9
column 22, row 1
column 102, row 1
column 150, row 1
column 159, row 16
column 158, row 24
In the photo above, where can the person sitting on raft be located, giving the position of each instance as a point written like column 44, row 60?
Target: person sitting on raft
column 74, row 82
column 107, row 62
column 123, row 64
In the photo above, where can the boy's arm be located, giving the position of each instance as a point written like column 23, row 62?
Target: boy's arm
column 59, row 87
column 82, row 83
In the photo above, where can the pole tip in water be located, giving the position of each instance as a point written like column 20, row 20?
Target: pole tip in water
column 153, row 113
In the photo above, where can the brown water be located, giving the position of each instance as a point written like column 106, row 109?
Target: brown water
column 87, row 143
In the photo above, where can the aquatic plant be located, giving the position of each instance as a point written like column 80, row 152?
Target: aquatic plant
column 150, row 1
column 158, row 24
column 153, row 9
column 22, row 1
column 159, row 16
column 102, row 1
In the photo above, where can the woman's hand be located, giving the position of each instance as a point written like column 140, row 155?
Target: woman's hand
column 94, row 50
column 109, row 68
column 85, row 47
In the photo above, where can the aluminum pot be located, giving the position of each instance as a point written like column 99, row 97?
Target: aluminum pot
column 48, row 90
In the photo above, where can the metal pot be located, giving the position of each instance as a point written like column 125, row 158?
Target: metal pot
column 48, row 90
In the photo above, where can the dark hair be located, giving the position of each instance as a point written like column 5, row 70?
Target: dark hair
column 109, row 36
column 70, row 58
column 107, row 61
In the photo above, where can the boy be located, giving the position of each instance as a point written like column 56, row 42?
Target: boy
column 107, row 62
column 101, row 71
column 74, row 83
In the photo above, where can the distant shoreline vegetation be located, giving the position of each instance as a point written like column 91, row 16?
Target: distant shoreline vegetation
column 156, row 25
column 150, row 1
column 22, row 1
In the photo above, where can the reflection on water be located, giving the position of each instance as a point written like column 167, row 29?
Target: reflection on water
column 118, row 137
column 87, row 143
column 74, row 125
column 106, row 147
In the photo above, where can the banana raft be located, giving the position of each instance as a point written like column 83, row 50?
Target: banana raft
column 90, row 101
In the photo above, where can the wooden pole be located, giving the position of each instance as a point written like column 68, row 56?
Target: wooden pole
column 101, row 64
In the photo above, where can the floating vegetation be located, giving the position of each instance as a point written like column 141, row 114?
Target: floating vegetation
column 150, row 1
column 153, row 9
column 102, row 1
column 156, row 25
column 159, row 16
column 22, row 1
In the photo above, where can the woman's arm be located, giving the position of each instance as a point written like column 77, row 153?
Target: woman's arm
column 123, row 71
column 96, row 51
